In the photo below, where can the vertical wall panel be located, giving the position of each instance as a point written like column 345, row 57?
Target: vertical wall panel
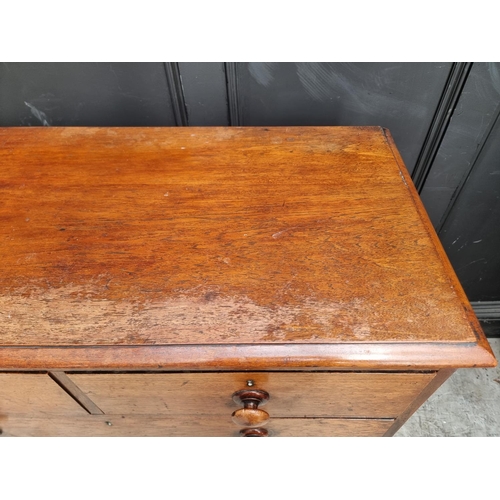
column 174, row 84
column 205, row 95
column 84, row 94
column 464, row 137
column 471, row 234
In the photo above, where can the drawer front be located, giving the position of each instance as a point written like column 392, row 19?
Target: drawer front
column 144, row 426
column 34, row 394
column 292, row 394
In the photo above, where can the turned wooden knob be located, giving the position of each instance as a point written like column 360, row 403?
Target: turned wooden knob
column 259, row 432
column 250, row 415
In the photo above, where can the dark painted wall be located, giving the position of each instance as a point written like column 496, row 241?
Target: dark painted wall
column 84, row 94
column 443, row 116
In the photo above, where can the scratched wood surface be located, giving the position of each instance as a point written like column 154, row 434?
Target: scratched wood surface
column 144, row 236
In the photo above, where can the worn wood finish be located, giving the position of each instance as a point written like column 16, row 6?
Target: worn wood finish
column 34, row 394
column 216, row 236
column 300, row 258
column 290, row 394
column 453, row 279
column 154, row 426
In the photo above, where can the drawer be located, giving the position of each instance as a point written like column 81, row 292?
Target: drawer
column 291, row 394
column 34, row 394
column 154, row 426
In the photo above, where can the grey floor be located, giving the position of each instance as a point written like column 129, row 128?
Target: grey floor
column 467, row 404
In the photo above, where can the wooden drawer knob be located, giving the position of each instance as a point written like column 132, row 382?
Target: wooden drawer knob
column 258, row 432
column 250, row 415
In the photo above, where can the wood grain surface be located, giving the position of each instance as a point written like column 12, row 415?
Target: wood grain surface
column 154, row 426
column 219, row 236
column 29, row 394
column 295, row 394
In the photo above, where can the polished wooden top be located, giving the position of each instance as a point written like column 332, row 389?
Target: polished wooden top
column 273, row 237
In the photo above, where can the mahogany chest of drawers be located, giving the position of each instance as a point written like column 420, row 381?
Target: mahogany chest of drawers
column 220, row 282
